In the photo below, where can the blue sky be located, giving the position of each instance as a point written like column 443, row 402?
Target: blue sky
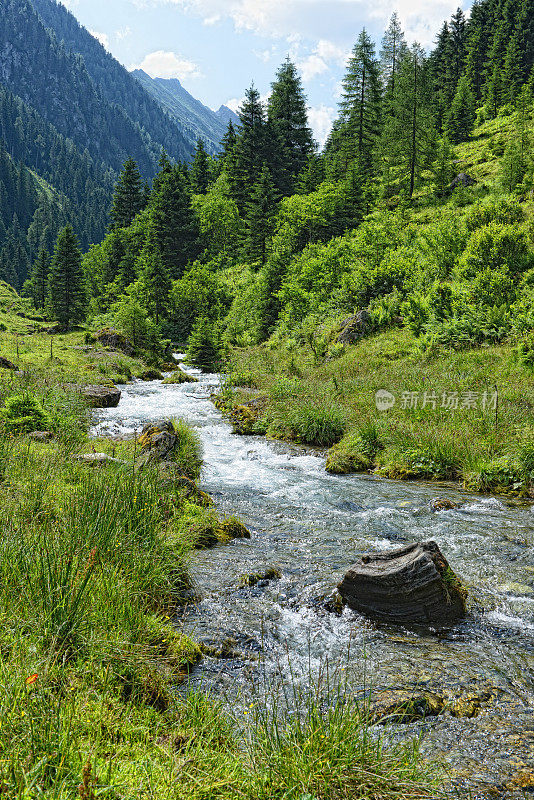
column 218, row 47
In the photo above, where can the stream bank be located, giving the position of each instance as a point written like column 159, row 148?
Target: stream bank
column 308, row 525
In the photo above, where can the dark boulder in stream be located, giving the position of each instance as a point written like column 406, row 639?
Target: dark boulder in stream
column 410, row 585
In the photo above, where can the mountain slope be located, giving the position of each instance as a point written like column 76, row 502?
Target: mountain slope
column 114, row 83
column 198, row 121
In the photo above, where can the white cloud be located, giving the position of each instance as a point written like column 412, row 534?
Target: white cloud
column 103, row 38
column 325, row 54
column 321, row 119
column 213, row 20
column 334, row 20
column 163, row 64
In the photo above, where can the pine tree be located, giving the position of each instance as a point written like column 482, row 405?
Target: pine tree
column 260, row 212
column 354, row 199
column 39, row 279
column 393, row 50
column 288, row 116
column 66, row 286
column 174, row 222
column 128, row 198
column 361, row 105
column 199, row 173
column 154, row 275
column 520, row 51
column 409, row 134
column 459, row 124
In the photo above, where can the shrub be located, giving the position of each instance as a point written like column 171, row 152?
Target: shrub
column 503, row 210
column 318, row 425
column 23, row 414
column 356, row 452
column 496, row 247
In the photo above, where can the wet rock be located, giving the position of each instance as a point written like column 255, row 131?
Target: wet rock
column 101, row 396
column 260, row 578
column 179, row 376
column 332, row 604
column 246, row 418
column 442, row 504
column 41, row 436
column 185, row 485
column 355, row 327
column 348, row 505
column 115, row 340
column 401, row 707
column 5, row 363
column 413, row 584
column 98, row 459
column 158, row 441
column 233, row 646
column 466, row 707
column 212, row 531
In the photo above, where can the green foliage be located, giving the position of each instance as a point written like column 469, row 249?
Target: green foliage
column 204, row 347
column 461, row 118
column 23, row 414
column 188, row 454
column 198, row 293
column 155, row 276
column 500, row 248
column 317, row 425
column 66, row 285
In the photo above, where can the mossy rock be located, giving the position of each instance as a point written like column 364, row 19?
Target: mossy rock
column 256, row 578
column 179, row 376
column 247, row 419
column 344, row 462
column 399, row 707
column 211, row 531
column 151, row 375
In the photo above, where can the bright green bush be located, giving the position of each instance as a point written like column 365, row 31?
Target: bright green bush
column 496, row 247
column 317, row 425
column 23, row 414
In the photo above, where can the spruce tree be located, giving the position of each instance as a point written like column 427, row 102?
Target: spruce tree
column 204, row 346
column 39, row 279
column 174, row 222
column 288, row 116
column 260, row 212
column 459, row 124
column 128, row 198
column 199, row 175
column 66, row 285
column 361, row 106
column 154, row 275
column 250, row 150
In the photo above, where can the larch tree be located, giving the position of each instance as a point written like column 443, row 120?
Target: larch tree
column 409, row 134
column 361, row 106
column 459, row 124
column 154, row 275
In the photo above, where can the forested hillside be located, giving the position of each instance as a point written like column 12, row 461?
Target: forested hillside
column 196, row 120
column 116, row 86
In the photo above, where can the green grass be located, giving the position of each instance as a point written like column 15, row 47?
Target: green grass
column 93, row 572
column 484, row 450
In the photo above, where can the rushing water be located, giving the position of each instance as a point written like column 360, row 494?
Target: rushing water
column 309, row 526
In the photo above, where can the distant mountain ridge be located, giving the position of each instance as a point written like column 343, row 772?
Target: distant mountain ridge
column 197, row 120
